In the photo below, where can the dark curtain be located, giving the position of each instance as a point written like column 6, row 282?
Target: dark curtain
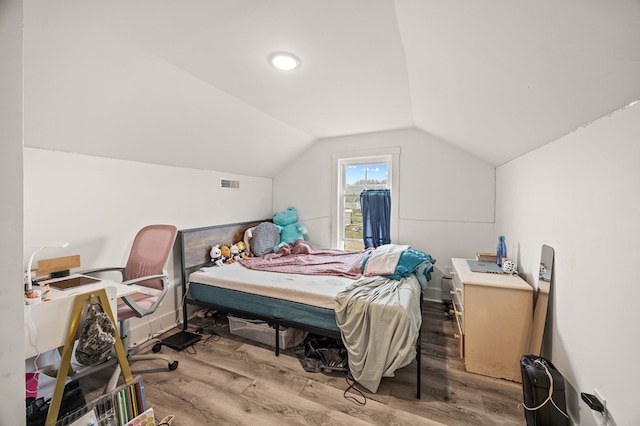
column 376, row 217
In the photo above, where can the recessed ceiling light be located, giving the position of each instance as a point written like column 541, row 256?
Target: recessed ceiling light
column 284, row 61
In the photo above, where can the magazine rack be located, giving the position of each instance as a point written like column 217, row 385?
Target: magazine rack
column 93, row 297
column 124, row 406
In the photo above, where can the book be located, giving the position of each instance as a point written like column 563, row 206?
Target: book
column 486, row 257
column 129, row 401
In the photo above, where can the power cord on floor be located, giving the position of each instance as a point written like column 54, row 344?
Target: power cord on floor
column 213, row 336
column 191, row 350
column 361, row 400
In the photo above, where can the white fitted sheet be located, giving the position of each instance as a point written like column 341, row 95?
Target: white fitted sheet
column 314, row 290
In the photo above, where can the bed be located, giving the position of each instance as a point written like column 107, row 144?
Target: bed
column 318, row 303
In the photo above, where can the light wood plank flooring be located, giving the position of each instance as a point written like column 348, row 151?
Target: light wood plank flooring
column 228, row 380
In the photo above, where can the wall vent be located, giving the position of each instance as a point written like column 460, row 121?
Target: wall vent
column 228, row 183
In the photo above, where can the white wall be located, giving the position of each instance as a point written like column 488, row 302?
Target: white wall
column 581, row 196
column 11, row 289
column 98, row 205
column 446, row 195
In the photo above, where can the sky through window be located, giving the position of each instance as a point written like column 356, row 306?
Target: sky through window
column 359, row 172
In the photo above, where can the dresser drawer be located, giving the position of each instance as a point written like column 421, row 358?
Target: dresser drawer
column 457, row 299
column 458, row 313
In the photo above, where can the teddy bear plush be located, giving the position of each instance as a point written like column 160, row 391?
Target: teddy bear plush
column 216, row 255
column 291, row 229
column 242, row 250
column 226, row 254
column 235, row 253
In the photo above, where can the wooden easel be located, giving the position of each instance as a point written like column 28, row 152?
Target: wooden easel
column 93, row 297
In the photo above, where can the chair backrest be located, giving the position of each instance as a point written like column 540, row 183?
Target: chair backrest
column 149, row 253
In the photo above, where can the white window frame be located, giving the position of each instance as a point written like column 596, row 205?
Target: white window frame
column 391, row 156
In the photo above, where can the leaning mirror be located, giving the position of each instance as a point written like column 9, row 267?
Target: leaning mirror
column 541, row 300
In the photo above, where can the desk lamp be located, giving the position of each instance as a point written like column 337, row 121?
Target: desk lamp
column 29, row 284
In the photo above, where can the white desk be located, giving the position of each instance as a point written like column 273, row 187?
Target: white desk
column 46, row 323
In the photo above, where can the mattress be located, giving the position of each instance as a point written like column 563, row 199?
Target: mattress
column 313, row 290
column 302, row 300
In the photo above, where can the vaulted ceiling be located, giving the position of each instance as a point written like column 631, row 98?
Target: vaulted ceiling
column 187, row 83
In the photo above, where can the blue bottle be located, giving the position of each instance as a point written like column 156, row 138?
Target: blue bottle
column 501, row 251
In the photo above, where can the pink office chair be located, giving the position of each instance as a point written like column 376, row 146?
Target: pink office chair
column 145, row 269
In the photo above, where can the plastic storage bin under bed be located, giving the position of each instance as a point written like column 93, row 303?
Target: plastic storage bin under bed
column 260, row 331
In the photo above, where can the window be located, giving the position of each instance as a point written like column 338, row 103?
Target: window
column 353, row 174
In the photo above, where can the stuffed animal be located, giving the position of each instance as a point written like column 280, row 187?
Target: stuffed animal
column 226, row 254
column 216, row 255
column 290, row 228
column 264, row 238
column 242, row 250
column 235, row 253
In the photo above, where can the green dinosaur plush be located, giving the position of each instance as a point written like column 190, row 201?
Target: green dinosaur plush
column 290, row 228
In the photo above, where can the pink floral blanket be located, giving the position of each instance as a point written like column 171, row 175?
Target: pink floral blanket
column 304, row 258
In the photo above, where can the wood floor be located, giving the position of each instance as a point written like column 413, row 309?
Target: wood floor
column 228, row 380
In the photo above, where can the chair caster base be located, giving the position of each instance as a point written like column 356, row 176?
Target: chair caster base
column 157, row 347
column 173, row 365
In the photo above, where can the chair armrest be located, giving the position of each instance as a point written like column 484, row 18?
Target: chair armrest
column 158, row 294
column 147, row 278
column 149, row 291
column 100, row 270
